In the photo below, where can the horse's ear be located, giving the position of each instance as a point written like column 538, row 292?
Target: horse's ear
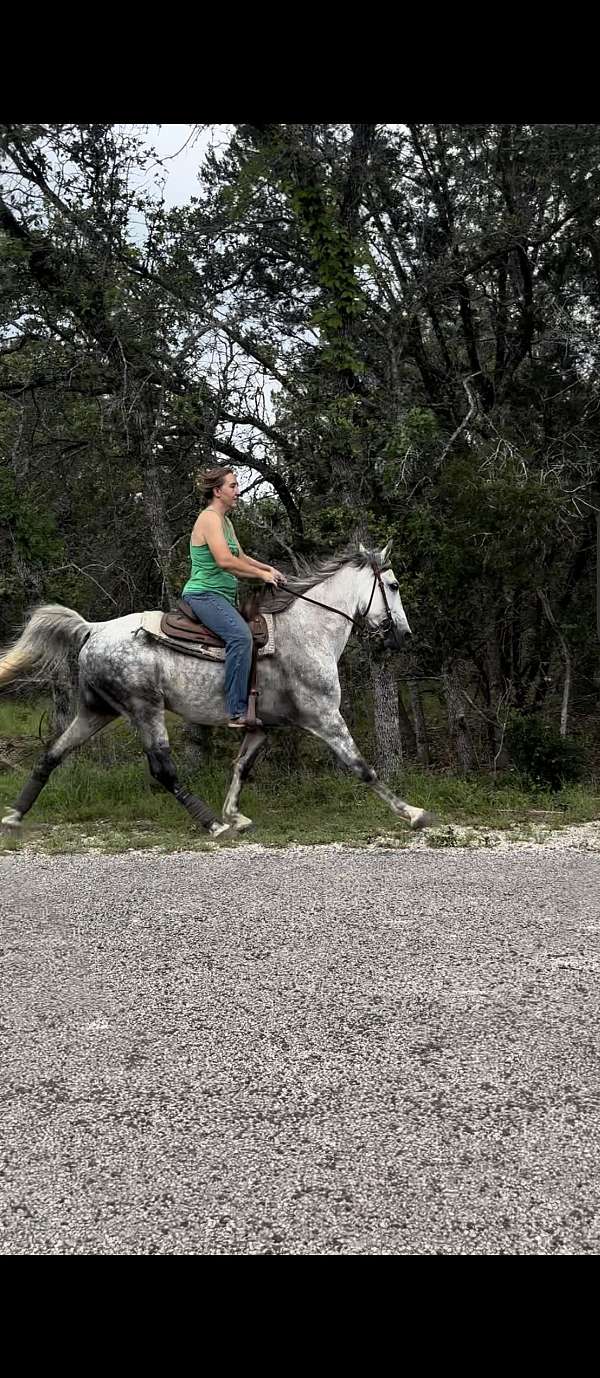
column 385, row 552
column 363, row 550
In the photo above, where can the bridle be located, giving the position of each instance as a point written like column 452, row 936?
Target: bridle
column 383, row 629
column 387, row 624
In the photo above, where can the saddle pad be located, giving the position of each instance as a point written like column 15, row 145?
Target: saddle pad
column 150, row 623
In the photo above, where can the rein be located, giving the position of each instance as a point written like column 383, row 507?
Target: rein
column 378, row 570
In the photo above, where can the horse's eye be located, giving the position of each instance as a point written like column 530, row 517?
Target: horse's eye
column 394, row 587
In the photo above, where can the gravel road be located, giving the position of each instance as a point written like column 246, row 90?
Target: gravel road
column 310, row 1051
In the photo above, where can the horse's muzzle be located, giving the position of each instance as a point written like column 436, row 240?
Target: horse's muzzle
column 394, row 638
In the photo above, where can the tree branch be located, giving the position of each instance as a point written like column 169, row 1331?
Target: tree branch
column 473, row 405
column 564, row 712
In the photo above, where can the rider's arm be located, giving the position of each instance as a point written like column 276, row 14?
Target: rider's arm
column 209, row 525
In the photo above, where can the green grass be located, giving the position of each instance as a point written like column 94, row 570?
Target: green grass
column 104, row 795
column 478, row 800
column 315, row 809
column 22, row 719
column 120, row 807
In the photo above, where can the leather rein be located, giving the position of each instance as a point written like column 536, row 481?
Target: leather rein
column 359, row 622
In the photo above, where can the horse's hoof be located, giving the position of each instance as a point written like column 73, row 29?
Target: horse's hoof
column 12, row 820
column 423, row 820
column 241, row 824
column 219, row 832
column 238, row 822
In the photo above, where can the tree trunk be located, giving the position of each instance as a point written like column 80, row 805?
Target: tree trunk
column 388, row 743
column 153, row 498
column 407, row 732
column 422, row 743
column 159, row 527
column 526, row 670
column 598, row 574
column 493, row 664
column 564, row 712
column 457, row 723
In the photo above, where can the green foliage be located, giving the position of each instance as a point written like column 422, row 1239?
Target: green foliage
column 360, row 283
column 28, row 531
column 418, row 430
column 540, row 754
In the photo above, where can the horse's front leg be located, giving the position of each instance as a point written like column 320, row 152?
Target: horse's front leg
column 253, row 743
column 333, row 730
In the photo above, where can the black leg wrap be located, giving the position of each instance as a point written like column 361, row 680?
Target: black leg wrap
column 34, row 785
column 163, row 770
column 195, row 807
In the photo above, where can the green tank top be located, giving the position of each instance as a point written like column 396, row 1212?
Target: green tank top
column 207, row 576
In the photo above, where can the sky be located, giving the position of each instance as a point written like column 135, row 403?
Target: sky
column 182, row 147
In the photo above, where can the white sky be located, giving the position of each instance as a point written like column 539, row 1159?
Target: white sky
column 182, row 147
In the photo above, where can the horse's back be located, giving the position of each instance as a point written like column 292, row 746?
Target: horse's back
column 113, row 637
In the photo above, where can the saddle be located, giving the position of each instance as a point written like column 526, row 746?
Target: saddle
column 181, row 624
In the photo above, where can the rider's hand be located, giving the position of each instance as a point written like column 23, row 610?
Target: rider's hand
column 274, row 576
column 280, row 578
column 268, row 577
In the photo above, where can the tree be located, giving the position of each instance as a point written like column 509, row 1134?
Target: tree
column 393, row 327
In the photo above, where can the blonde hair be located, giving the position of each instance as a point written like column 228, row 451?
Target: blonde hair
column 208, row 479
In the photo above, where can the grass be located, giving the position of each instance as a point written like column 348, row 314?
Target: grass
column 104, row 797
column 124, row 801
column 121, row 807
column 21, row 719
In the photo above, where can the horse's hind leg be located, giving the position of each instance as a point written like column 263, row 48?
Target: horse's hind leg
column 84, row 726
column 253, row 742
column 153, row 732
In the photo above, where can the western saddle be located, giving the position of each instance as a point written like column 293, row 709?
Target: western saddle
column 182, row 625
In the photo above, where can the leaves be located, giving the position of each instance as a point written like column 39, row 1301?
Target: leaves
column 316, row 313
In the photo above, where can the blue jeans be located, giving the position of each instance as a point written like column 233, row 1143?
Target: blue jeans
column 219, row 614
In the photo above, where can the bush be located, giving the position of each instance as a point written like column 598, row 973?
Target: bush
column 540, row 754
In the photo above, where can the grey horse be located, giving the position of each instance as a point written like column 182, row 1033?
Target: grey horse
column 122, row 671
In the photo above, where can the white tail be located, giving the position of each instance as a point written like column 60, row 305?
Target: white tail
column 44, row 642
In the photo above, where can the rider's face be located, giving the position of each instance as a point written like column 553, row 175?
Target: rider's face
column 229, row 490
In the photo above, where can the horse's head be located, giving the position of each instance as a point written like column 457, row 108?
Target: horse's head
column 379, row 598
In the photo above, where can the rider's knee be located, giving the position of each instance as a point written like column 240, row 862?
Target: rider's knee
column 242, row 639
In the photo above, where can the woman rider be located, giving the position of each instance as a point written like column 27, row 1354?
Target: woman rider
column 211, row 591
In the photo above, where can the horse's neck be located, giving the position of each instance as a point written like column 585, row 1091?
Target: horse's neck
column 338, row 593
